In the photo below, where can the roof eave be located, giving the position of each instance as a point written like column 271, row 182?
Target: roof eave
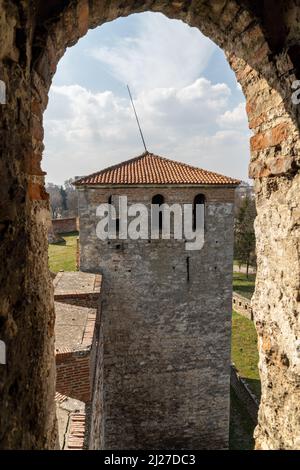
column 155, row 185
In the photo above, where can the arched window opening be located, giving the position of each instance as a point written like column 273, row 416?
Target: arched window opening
column 158, row 200
column 199, row 199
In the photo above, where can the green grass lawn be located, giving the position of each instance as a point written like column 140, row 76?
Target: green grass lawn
column 244, row 354
column 244, row 351
column 244, row 337
column 243, row 285
column 62, row 256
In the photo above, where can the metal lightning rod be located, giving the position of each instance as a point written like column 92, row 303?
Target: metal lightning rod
column 137, row 119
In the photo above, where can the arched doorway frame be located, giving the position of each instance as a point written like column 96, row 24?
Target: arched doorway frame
column 266, row 80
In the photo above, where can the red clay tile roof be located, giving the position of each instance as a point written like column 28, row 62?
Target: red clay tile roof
column 153, row 169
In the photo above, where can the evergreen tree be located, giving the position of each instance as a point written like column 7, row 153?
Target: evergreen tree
column 244, row 235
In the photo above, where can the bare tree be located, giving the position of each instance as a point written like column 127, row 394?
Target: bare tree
column 55, row 199
column 63, row 199
column 242, row 192
column 72, row 199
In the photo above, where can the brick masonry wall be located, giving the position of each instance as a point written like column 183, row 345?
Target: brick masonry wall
column 73, row 374
column 242, row 305
column 78, row 371
column 165, row 332
column 77, row 432
column 77, row 254
column 65, row 225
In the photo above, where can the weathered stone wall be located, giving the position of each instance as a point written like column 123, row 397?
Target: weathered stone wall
column 276, row 309
column 27, row 381
column 262, row 42
column 166, row 326
column 243, row 392
column 97, row 412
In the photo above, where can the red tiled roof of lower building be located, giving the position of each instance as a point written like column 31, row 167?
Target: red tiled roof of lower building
column 153, row 169
column 77, row 430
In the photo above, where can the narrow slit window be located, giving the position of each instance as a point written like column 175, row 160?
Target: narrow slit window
column 117, row 227
column 199, row 199
column 158, row 200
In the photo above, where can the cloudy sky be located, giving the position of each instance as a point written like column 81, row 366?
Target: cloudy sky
column 189, row 103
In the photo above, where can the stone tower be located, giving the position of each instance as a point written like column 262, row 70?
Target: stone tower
column 165, row 327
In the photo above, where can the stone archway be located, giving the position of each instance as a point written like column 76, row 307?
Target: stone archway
column 263, row 54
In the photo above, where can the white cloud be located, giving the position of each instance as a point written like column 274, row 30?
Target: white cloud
column 162, row 53
column 94, row 130
column 236, row 118
column 183, row 115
